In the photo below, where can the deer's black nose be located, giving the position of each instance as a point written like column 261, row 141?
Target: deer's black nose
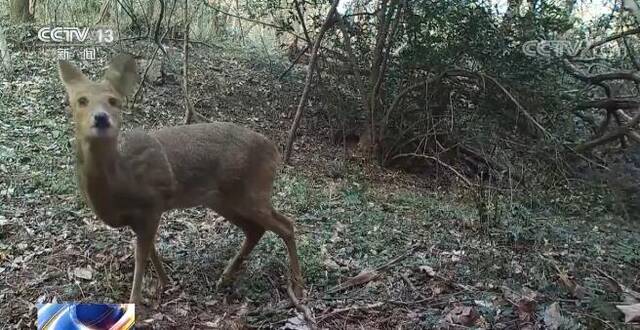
column 101, row 120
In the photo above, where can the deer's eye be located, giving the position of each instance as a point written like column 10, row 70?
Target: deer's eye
column 114, row 102
column 83, row 101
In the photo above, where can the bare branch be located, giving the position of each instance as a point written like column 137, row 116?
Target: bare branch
column 301, row 17
column 329, row 20
column 295, row 61
column 632, row 135
column 153, row 57
column 352, row 62
column 437, row 160
column 615, row 134
column 277, row 27
column 613, row 38
column 600, row 78
column 612, row 103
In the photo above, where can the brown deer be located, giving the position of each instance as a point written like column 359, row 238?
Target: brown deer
column 131, row 179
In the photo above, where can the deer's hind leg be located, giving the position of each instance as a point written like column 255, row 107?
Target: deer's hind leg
column 282, row 226
column 252, row 235
column 157, row 264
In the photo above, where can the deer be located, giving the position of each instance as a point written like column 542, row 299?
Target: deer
column 130, row 178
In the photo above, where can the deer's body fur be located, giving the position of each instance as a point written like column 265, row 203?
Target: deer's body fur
column 130, row 179
column 155, row 170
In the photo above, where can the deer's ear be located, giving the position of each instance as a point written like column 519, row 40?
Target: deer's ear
column 122, row 74
column 69, row 74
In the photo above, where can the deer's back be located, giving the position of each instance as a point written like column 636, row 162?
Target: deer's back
column 218, row 163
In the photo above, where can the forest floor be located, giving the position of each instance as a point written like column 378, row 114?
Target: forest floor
column 379, row 248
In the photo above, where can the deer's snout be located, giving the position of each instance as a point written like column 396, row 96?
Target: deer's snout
column 101, row 120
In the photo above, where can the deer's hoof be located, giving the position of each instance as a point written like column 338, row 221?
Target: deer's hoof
column 224, row 282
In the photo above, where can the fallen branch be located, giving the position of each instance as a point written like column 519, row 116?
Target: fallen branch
column 369, row 275
column 349, row 309
column 610, row 103
column 434, row 301
column 412, row 287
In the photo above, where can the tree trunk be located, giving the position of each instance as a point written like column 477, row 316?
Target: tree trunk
column 105, row 14
column 378, row 68
column 5, row 57
column 329, row 21
column 188, row 107
column 19, row 11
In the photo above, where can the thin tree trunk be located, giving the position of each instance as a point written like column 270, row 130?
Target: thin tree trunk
column 104, row 12
column 156, row 34
column 19, row 11
column 329, row 20
column 301, row 17
column 354, row 64
column 240, row 23
column 188, row 117
column 5, row 56
column 387, row 11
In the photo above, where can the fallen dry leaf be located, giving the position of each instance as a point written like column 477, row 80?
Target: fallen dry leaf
column 631, row 312
column 552, row 317
column 526, row 309
column 576, row 290
column 83, row 273
column 629, row 299
column 462, row 315
column 296, row 323
column 428, row 270
column 525, row 302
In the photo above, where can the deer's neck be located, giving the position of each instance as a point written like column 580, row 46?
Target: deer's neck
column 100, row 172
column 99, row 159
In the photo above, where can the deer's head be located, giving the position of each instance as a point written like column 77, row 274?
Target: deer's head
column 97, row 105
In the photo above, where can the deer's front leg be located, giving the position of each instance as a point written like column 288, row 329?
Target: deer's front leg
column 144, row 244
